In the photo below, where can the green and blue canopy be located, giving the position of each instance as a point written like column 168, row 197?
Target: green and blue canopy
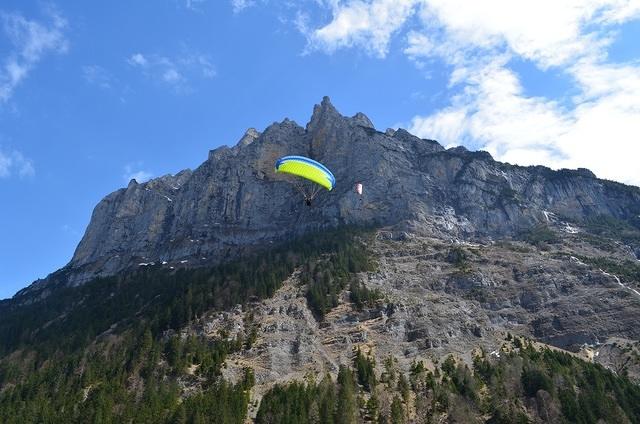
column 307, row 168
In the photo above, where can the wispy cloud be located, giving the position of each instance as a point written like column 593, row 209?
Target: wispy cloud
column 175, row 72
column 194, row 5
column 15, row 164
column 133, row 171
column 239, row 5
column 489, row 107
column 30, row 41
column 98, row 76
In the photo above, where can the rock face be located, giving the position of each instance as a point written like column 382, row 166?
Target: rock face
column 235, row 199
column 435, row 304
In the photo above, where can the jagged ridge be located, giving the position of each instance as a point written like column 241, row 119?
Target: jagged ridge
column 235, row 200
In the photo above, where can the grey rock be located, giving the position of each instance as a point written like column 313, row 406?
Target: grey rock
column 235, row 200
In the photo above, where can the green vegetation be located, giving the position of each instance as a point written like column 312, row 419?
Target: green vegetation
column 460, row 258
column 328, row 276
column 70, row 317
column 397, row 411
column 524, row 385
column 627, row 271
column 326, row 402
column 540, row 235
column 365, row 366
column 127, row 382
column 513, row 247
column 507, row 195
column 603, row 231
column 610, row 227
column 361, row 296
column 297, row 403
column 111, row 350
column 116, row 350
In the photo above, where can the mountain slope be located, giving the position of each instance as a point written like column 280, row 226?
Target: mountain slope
column 235, row 200
column 162, row 346
column 457, row 289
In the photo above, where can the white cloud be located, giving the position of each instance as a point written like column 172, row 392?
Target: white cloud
column 419, row 45
column 138, row 59
column 595, row 129
column 13, row 163
column 176, row 72
column 30, row 41
column 202, row 64
column 357, row 23
column 597, row 132
column 132, row 171
column 172, row 76
column 545, row 31
column 239, row 5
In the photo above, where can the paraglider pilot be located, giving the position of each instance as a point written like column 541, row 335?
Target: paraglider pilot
column 306, row 169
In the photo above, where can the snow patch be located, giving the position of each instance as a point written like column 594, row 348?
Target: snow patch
column 577, row 261
column 549, row 216
column 465, row 243
column 620, row 282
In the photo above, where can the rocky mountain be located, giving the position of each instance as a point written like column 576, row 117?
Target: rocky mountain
column 235, row 199
column 455, row 289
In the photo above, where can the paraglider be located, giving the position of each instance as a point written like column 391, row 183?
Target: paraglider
column 358, row 188
column 306, row 169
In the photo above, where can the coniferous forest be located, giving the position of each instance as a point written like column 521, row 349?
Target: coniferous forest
column 112, row 351
column 524, row 384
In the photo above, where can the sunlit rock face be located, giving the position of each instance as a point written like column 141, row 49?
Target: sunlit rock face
column 235, row 201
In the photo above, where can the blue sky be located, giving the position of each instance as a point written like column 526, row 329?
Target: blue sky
column 93, row 93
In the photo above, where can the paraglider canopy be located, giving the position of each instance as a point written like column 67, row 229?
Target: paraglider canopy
column 306, row 169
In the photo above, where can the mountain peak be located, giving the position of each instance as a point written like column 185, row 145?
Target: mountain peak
column 362, row 120
column 249, row 137
column 326, row 101
column 323, row 113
